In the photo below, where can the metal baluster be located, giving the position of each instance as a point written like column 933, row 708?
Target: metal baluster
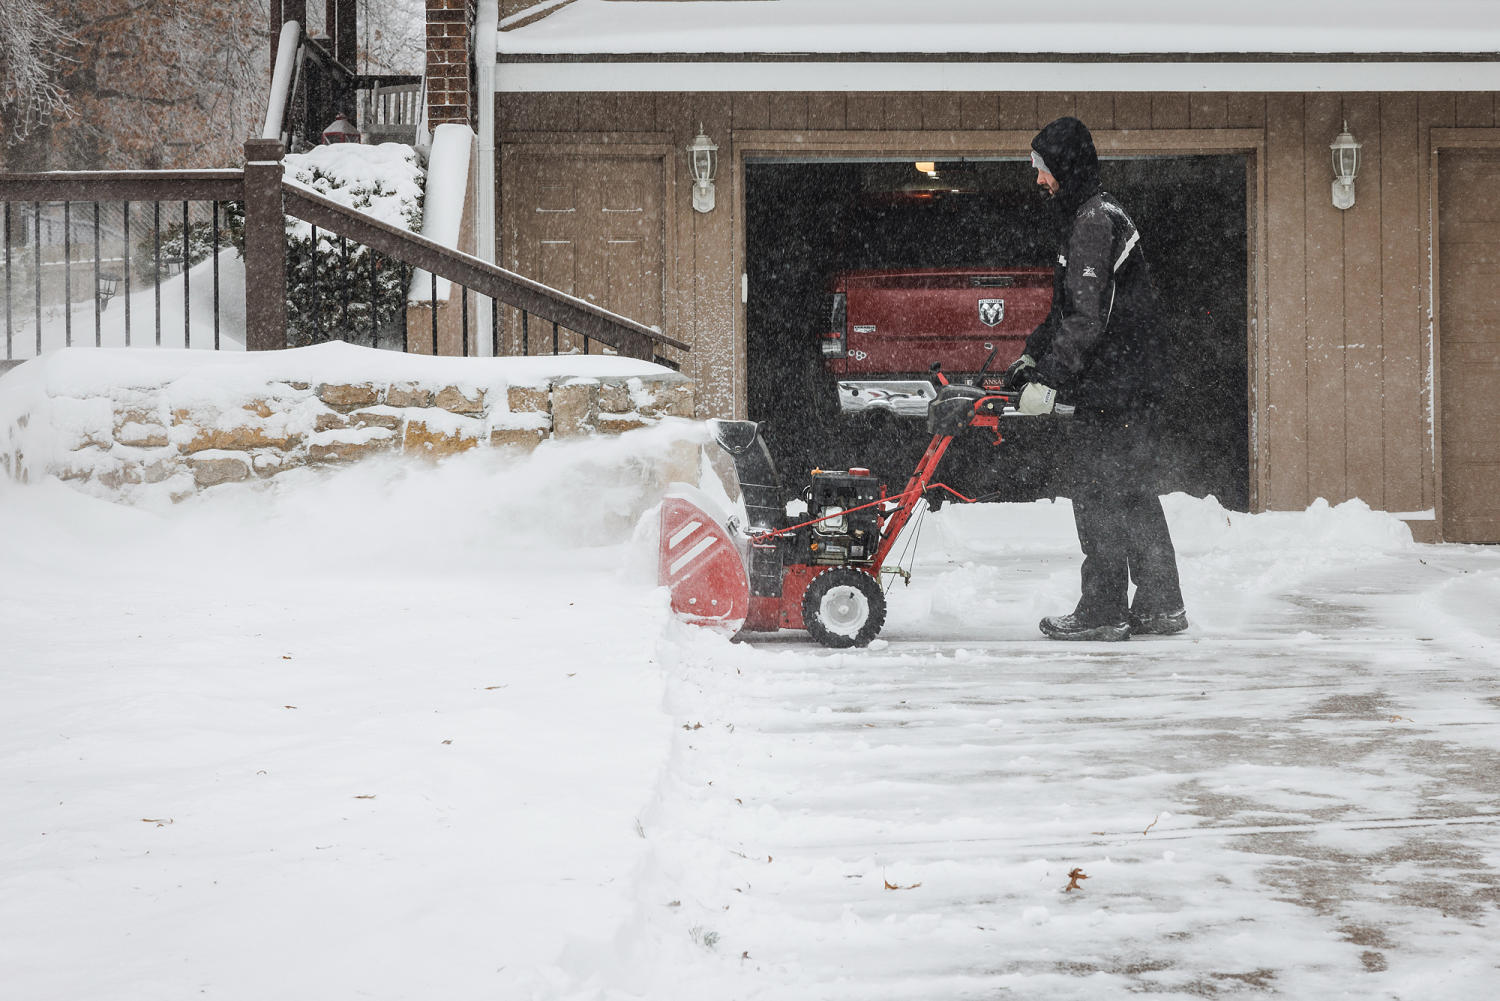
column 554, row 337
column 494, row 328
column 67, row 274
column 317, row 289
column 344, row 284
column 187, row 335
column 98, row 320
column 374, row 300
column 126, row 269
column 156, row 253
column 216, row 274
column 434, row 311
column 525, row 338
column 9, row 322
column 464, row 307
column 36, row 256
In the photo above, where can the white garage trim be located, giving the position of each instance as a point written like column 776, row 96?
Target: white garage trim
column 606, row 76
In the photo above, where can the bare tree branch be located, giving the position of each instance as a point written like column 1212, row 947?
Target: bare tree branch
column 33, row 49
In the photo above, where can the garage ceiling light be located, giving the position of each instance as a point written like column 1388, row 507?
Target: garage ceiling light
column 927, row 167
column 1345, row 166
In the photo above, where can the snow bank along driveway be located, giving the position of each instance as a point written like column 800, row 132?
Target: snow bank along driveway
column 406, row 732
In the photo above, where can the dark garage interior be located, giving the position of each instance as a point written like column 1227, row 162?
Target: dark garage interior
column 807, row 221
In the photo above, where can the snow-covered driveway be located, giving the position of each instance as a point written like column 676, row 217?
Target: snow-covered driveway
column 1298, row 797
column 399, row 733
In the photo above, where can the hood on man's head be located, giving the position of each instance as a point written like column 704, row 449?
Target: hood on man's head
column 1067, row 146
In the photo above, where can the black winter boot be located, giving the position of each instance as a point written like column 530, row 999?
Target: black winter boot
column 1160, row 624
column 1071, row 627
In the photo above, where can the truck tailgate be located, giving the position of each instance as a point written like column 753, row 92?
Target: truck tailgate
column 902, row 322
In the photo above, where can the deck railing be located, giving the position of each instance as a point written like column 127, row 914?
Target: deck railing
column 119, row 234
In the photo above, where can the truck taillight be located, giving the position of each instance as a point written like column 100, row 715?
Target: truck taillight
column 836, row 341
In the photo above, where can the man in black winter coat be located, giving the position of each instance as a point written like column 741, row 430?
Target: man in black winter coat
column 1098, row 351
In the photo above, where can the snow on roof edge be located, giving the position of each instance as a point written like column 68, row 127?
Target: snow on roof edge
column 1102, row 28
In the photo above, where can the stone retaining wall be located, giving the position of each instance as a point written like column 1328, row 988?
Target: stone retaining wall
column 177, row 438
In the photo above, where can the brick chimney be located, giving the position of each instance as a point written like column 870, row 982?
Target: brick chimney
column 450, row 33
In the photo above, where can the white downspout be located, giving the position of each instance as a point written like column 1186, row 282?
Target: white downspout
column 283, row 81
column 486, row 42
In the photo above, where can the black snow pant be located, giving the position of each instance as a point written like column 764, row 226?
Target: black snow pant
column 1121, row 528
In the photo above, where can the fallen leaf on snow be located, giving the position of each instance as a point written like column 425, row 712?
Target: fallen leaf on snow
column 1073, row 878
column 159, row 822
column 365, row 797
column 892, row 886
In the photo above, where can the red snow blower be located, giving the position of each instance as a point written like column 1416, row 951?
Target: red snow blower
column 768, row 570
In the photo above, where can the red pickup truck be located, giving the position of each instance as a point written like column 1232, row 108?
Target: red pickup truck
column 886, row 327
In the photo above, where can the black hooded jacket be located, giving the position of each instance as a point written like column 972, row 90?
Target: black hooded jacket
column 1099, row 344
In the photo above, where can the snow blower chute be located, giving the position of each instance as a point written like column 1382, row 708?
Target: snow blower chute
column 815, row 566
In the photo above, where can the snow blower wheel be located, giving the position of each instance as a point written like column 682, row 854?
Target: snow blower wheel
column 843, row 607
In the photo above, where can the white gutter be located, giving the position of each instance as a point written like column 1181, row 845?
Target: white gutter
column 486, row 30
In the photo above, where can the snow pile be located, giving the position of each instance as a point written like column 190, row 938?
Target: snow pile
column 379, row 723
column 382, row 181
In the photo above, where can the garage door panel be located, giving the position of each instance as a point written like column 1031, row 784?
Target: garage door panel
column 1476, row 451
column 1465, row 357
column 626, row 280
column 1469, row 232
column 559, row 264
column 1469, row 287
column 1477, row 481
column 1470, row 324
column 1466, row 264
column 555, row 199
column 598, row 235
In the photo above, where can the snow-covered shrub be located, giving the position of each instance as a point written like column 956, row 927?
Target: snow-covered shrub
column 148, row 266
column 341, row 290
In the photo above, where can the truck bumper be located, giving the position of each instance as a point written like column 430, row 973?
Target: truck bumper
column 903, row 397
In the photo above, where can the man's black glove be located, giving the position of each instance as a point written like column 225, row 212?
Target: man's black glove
column 1020, row 372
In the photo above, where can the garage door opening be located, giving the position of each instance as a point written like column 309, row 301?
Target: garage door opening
column 809, row 221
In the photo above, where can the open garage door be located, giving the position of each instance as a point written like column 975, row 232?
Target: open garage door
column 811, row 220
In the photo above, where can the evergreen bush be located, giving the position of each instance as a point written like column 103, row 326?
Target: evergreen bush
column 338, row 289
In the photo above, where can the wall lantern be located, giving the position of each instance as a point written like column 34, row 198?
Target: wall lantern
column 1345, row 166
column 108, row 285
column 340, row 131
column 703, row 158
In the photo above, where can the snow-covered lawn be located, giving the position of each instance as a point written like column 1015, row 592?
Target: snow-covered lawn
column 404, row 731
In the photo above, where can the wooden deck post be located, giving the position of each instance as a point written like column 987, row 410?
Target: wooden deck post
column 265, row 247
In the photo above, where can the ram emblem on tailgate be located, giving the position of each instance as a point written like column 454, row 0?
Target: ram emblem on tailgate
column 991, row 311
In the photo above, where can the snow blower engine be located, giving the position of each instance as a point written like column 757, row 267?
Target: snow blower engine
column 815, row 562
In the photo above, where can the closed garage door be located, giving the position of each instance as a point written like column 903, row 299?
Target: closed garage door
column 1469, row 286
column 588, row 226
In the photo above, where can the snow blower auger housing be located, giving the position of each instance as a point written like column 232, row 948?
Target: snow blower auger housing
column 813, row 565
